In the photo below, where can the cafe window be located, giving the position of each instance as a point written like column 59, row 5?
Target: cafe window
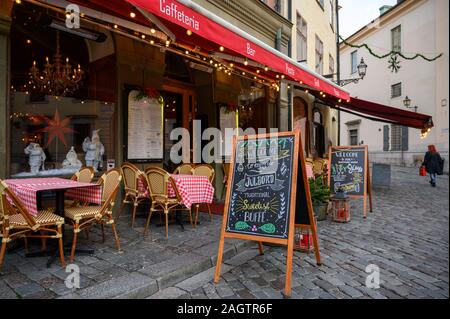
column 51, row 121
column 302, row 39
column 319, row 55
column 273, row 4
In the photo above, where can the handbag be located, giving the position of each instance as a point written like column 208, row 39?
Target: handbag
column 422, row 171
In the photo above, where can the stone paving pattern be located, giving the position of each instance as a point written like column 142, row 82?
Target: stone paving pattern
column 407, row 237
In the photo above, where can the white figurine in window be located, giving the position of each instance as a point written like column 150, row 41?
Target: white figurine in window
column 36, row 157
column 72, row 160
column 94, row 151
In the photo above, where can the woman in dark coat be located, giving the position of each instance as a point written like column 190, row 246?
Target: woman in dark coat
column 433, row 164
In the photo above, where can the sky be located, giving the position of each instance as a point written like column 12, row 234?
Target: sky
column 355, row 14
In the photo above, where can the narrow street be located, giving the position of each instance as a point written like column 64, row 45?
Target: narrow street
column 406, row 237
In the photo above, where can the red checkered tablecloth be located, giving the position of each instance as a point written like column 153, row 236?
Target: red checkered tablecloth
column 192, row 189
column 26, row 190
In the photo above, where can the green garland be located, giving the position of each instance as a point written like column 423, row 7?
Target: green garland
column 394, row 63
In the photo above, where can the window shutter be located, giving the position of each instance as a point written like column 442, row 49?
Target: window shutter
column 386, row 138
column 405, row 138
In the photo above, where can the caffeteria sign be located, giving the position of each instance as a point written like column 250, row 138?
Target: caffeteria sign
column 170, row 9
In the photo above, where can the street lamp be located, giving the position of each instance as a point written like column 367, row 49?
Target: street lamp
column 362, row 71
column 407, row 104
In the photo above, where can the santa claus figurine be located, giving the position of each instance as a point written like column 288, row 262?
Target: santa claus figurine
column 94, row 150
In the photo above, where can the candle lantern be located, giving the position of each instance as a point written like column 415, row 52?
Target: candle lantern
column 303, row 240
column 341, row 210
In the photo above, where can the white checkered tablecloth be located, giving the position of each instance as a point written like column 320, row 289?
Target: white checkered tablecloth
column 192, row 189
column 26, row 190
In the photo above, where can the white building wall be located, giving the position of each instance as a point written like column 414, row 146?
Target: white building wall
column 424, row 29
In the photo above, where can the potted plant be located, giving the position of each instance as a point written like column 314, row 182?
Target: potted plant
column 320, row 197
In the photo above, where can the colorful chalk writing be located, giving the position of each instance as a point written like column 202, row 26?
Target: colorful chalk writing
column 260, row 188
column 347, row 170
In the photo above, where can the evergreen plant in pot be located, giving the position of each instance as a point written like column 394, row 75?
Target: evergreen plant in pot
column 320, row 197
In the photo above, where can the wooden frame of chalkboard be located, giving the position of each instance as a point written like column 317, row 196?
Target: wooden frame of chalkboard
column 289, row 216
column 367, row 188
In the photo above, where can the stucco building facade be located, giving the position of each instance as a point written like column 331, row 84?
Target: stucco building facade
column 413, row 26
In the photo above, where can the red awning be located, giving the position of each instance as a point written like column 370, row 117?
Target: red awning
column 377, row 112
column 187, row 15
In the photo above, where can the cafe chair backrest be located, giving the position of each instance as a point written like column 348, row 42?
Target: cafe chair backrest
column 7, row 209
column 110, row 182
column 184, row 169
column 158, row 181
column 84, row 175
column 204, row 170
column 130, row 174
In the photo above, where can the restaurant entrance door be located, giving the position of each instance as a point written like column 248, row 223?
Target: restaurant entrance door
column 179, row 112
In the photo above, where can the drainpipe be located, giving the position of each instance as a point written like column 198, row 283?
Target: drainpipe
column 338, row 59
column 290, row 91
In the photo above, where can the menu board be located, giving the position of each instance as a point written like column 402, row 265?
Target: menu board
column 145, row 129
column 261, row 183
column 347, row 170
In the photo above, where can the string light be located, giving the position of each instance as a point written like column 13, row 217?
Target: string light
column 152, row 31
column 221, row 49
column 116, row 26
column 266, row 69
column 189, row 32
column 167, row 43
column 245, row 62
column 143, row 36
column 133, row 13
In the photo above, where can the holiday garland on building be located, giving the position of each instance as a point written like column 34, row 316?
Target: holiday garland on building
column 394, row 56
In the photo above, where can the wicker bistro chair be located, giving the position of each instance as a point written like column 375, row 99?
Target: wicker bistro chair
column 133, row 195
column 208, row 171
column 84, row 175
column 16, row 222
column 184, row 169
column 85, row 217
column 158, row 181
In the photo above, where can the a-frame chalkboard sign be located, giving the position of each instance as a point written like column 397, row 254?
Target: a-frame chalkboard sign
column 263, row 203
column 349, row 170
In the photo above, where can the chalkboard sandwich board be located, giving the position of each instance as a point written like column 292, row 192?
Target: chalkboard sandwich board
column 262, row 195
column 349, row 171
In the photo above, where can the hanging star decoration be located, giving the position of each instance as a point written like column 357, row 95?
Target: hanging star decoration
column 394, row 63
column 57, row 128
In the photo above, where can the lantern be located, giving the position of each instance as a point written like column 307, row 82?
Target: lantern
column 303, row 240
column 341, row 210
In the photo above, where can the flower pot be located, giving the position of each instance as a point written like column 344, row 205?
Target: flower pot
column 321, row 210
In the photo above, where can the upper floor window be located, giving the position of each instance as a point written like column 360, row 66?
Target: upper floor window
column 302, row 39
column 354, row 61
column 396, row 90
column 319, row 55
column 273, row 4
column 332, row 9
column 331, row 64
column 321, row 3
column 396, row 38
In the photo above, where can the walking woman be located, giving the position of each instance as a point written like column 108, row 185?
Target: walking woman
column 433, row 163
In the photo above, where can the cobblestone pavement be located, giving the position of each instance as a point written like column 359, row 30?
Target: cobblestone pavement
column 145, row 265
column 406, row 237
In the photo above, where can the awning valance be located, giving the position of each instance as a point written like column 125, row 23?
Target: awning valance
column 202, row 23
column 376, row 112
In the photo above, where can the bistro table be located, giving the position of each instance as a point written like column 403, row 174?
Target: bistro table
column 193, row 189
column 28, row 190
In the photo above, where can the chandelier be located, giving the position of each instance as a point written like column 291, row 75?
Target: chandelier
column 56, row 78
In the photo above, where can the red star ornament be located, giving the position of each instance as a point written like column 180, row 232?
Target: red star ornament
column 57, row 128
